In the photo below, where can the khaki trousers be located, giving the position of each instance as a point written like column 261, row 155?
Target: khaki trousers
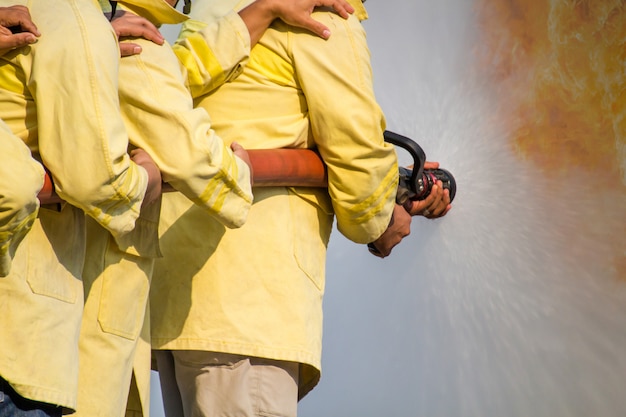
column 198, row 384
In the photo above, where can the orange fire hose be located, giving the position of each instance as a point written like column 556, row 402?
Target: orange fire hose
column 271, row 168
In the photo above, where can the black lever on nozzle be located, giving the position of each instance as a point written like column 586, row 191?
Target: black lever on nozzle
column 416, row 184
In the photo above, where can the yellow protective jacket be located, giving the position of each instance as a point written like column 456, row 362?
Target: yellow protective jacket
column 87, row 160
column 60, row 97
column 257, row 290
column 21, row 178
column 160, row 117
column 70, row 120
column 158, row 111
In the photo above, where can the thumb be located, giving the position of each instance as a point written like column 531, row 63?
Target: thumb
column 19, row 39
column 235, row 147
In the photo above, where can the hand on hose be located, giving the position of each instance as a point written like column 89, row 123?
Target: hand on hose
column 399, row 228
column 153, row 191
column 241, row 153
column 436, row 205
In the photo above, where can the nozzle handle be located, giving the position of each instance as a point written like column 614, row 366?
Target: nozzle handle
column 416, row 151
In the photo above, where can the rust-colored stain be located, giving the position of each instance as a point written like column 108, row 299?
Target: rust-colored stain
column 559, row 68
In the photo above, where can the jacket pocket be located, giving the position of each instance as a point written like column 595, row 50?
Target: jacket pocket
column 124, row 296
column 56, row 253
column 312, row 224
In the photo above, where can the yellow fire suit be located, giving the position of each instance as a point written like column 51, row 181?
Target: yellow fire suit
column 160, row 118
column 60, row 97
column 21, row 178
column 257, row 290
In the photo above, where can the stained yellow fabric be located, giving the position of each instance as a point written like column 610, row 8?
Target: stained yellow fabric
column 258, row 290
column 21, row 178
column 160, row 117
column 41, row 303
column 60, row 97
column 116, row 292
column 42, row 102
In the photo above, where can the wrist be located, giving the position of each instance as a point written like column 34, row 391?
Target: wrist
column 391, row 221
column 257, row 17
column 372, row 246
column 268, row 9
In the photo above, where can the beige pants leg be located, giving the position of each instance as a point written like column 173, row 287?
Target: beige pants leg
column 220, row 385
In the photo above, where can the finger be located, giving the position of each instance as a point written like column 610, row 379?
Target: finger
column 316, row 27
column 20, row 16
column 342, row 7
column 148, row 32
column 374, row 250
column 443, row 205
column 431, row 201
column 128, row 24
column 27, row 25
column 129, row 49
column 236, row 146
column 17, row 40
column 446, row 195
column 439, row 204
column 415, row 207
column 140, row 31
column 431, row 165
column 448, row 204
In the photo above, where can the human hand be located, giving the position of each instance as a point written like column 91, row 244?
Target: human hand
column 398, row 229
column 129, row 25
column 18, row 18
column 437, row 204
column 241, row 153
column 298, row 13
column 153, row 191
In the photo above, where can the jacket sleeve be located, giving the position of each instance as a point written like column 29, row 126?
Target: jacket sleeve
column 160, row 118
column 21, row 178
column 212, row 54
column 347, row 125
column 81, row 138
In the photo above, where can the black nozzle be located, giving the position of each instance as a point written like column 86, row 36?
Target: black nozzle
column 416, row 183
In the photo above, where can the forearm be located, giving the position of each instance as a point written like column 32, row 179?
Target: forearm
column 347, row 125
column 160, row 119
column 257, row 17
